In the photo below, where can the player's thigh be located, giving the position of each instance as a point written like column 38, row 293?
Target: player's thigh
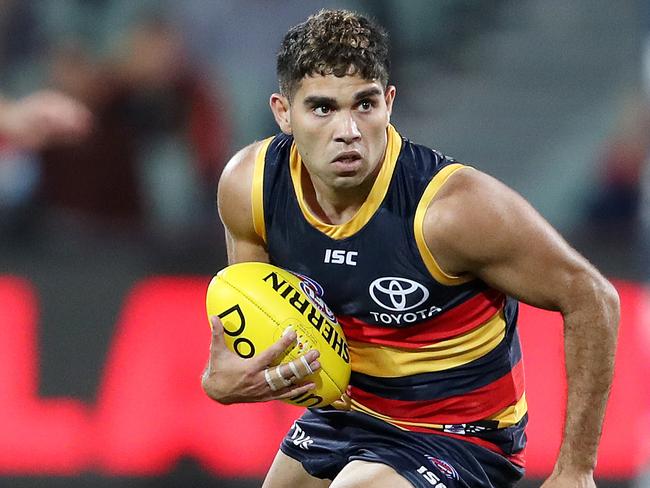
column 358, row 474
column 286, row 471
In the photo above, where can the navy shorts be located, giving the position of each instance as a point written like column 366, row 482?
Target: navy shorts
column 325, row 440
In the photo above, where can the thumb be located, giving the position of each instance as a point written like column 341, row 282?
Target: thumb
column 217, row 342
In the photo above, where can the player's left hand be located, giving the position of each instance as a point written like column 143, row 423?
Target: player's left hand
column 570, row 480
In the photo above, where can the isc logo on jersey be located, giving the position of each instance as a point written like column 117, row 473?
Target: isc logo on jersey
column 340, row 256
column 400, row 299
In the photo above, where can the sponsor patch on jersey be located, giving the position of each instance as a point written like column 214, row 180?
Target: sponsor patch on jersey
column 315, row 292
column 444, row 467
column 397, row 294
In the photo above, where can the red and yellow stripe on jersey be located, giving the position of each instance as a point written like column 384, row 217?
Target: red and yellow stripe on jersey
column 459, row 373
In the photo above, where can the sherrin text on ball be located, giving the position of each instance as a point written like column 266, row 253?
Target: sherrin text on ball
column 256, row 302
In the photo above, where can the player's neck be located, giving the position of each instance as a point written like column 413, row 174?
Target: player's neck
column 336, row 206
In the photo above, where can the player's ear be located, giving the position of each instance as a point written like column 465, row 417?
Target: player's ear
column 389, row 97
column 280, row 108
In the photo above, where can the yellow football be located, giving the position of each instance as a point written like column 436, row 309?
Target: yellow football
column 256, row 302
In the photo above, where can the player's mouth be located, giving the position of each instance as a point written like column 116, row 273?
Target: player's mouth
column 348, row 161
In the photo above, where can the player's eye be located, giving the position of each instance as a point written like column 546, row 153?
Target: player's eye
column 365, row 106
column 322, row 110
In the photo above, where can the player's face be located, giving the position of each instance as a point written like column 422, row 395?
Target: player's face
column 339, row 126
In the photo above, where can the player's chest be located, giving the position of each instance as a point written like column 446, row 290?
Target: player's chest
column 380, row 279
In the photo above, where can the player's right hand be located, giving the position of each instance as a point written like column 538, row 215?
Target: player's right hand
column 229, row 378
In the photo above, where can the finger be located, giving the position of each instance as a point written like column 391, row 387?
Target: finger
column 275, row 379
column 295, row 391
column 343, row 403
column 269, row 355
column 217, row 343
column 304, row 365
column 286, row 374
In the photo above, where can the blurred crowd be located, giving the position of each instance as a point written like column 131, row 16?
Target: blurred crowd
column 120, row 114
column 621, row 200
column 113, row 114
column 622, row 197
column 106, row 120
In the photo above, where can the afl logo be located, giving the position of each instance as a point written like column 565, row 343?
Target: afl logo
column 397, row 294
column 314, row 292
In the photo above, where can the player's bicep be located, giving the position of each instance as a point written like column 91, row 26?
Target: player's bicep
column 487, row 230
column 540, row 269
column 235, row 209
column 243, row 250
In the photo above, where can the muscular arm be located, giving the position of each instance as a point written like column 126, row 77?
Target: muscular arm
column 227, row 377
column 478, row 226
column 235, row 208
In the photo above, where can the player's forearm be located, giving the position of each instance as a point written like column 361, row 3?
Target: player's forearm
column 590, row 329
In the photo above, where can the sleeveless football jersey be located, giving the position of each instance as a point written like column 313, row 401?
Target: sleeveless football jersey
column 430, row 352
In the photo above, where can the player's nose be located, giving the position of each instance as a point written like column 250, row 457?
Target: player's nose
column 347, row 128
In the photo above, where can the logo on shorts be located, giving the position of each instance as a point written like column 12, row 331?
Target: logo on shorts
column 431, row 477
column 300, row 438
column 397, row 294
column 444, row 467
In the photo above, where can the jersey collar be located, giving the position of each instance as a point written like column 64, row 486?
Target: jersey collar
column 368, row 208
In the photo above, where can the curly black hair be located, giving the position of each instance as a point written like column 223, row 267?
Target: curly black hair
column 333, row 42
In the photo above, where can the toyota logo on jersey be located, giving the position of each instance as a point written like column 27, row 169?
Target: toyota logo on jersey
column 397, row 294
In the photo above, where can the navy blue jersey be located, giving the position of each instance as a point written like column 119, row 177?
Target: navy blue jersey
column 430, row 352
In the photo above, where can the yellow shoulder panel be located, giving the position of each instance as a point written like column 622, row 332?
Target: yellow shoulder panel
column 257, row 190
column 431, row 190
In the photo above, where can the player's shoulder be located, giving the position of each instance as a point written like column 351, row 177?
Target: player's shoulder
column 235, row 189
column 472, row 203
column 474, row 217
column 467, row 186
column 237, row 177
column 241, row 164
column 467, row 182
